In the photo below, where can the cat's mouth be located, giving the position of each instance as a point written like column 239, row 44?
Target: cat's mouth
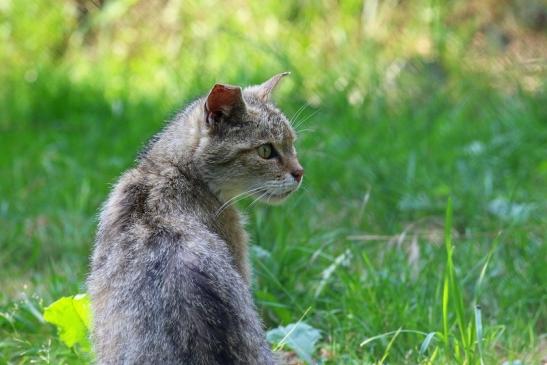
column 274, row 192
column 274, row 197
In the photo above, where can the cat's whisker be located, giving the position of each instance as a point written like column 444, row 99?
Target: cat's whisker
column 298, row 112
column 231, row 202
column 305, row 130
column 236, row 198
column 257, row 199
column 305, row 119
column 297, row 122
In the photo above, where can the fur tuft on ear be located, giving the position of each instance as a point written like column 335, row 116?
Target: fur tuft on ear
column 264, row 90
column 223, row 101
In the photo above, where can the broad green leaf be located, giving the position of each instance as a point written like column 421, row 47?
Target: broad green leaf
column 299, row 337
column 72, row 317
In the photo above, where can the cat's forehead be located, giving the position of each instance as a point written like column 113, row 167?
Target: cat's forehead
column 271, row 123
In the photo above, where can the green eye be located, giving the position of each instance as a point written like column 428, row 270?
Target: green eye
column 266, row 151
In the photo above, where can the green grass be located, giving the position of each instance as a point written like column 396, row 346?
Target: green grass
column 392, row 272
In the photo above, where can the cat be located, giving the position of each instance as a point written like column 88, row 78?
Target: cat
column 169, row 280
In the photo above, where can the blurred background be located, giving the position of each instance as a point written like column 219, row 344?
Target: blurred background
column 400, row 105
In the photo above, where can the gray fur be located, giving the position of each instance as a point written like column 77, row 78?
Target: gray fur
column 169, row 280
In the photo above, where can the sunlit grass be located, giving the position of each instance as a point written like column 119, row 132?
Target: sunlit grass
column 398, row 115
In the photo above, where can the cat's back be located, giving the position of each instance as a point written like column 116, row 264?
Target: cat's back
column 156, row 265
column 149, row 213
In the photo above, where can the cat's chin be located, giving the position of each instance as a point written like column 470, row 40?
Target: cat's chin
column 276, row 199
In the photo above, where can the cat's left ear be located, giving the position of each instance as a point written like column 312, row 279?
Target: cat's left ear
column 264, row 90
column 223, row 101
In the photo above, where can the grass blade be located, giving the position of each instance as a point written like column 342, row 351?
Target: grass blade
column 478, row 328
column 451, row 290
column 427, row 342
column 389, row 345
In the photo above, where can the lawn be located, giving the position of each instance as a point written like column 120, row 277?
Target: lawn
column 402, row 113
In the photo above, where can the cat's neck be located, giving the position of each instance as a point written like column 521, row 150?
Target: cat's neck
column 178, row 192
column 179, row 140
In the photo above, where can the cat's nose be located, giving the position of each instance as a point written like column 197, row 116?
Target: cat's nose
column 297, row 174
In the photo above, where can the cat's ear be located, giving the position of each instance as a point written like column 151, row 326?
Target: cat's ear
column 264, row 90
column 223, row 101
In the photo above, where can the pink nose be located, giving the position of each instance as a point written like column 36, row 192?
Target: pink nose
column 297, row 174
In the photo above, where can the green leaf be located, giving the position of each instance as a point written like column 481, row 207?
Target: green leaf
column 427, row 342
column 299, row 337
column 72, row 317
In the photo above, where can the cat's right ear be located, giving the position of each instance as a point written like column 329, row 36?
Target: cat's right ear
column 223, row 102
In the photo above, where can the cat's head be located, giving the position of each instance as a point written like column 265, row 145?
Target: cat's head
column 249, row 145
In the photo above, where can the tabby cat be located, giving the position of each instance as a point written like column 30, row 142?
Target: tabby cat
column 169, row 279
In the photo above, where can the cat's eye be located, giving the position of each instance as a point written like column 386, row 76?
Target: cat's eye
column 266, row 151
